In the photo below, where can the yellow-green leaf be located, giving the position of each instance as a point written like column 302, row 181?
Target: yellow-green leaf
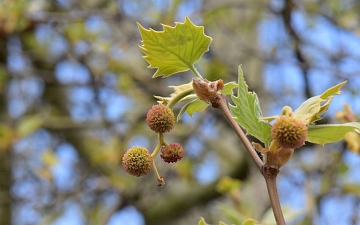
column 324, row 134
column 196, row 105
column 247, row 112
column 180, row 90
column 228, row 87
column 202, row 222
column 311, row 110
column 175, row 49
column 249, row 222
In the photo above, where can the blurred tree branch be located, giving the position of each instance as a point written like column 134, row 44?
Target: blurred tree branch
column 5, row 152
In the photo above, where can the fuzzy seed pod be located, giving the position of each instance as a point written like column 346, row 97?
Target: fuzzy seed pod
column 289, row 132
column 172, row 153
column 160, row 119
column 137, row 161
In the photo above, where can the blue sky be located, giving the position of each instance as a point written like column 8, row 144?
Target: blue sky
column 277, row 76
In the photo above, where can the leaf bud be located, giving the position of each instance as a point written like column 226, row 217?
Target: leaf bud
column 207, row 90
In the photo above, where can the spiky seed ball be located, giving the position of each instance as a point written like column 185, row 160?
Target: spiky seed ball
column 289, row 132
column 137, row 161
column 172, row 153
column 160, row 119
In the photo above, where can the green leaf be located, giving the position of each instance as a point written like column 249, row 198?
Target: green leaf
column 175, row 49
column 247, row 112
column 228, row 87
column 323, row 134
column 311, row 110
column 179, row 91
column 196, row 105
column 249, row 222
column 202, row 222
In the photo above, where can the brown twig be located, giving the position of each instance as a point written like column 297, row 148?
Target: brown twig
column 220, row 102
column 269, row 172
column 209, row 92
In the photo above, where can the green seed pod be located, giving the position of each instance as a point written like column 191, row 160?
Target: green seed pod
column 172, row 153
column 289, row 132
column 160, row 119
column 137, row 161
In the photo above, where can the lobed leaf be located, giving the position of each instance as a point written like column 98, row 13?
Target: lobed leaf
column 247, row 112
column 324, row 134
column 178, row 91
column 175, row 49
column 312, row 109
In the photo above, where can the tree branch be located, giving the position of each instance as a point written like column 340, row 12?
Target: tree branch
column 221, row 103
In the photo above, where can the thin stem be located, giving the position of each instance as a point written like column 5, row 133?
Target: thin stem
column 160, row 143
column 270, row 173
column 156, row 171
column 179, row 97
column 222, row 105
column 194, row 70
column 160, row 179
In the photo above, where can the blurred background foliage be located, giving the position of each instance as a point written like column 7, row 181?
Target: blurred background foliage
column 74, row 92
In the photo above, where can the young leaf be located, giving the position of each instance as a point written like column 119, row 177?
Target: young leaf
column 202, row 221
column 311, row 110
column 247, row 112
column 178, row 91
column 249, row 222
column 228, row 87
column 175, row 49
column 323, row 134
column 196, row 105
